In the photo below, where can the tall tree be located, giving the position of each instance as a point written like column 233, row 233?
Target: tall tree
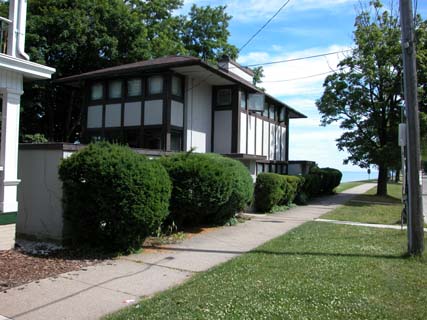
column 205, row 33
column 365, row 96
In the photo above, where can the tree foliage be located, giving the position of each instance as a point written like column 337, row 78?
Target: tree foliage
column 205, row 33
column 365, row 96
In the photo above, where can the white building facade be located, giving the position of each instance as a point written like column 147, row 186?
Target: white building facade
column 14, row 68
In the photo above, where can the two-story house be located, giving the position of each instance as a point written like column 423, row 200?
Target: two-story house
column 179, row 103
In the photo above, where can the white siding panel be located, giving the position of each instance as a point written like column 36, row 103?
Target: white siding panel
column 251, row 135
column 272, row 141
column 94, row 117
column 266, row 139
column 222, row 132
column 177, row 114
column 278, row 141
column 132, row 115
column 243, row 132
column 258, row 139
column 198, row 122
column 283, row 133
column 113, row 115
column 153, row 112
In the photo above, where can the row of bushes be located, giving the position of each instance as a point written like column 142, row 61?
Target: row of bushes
column 273, row 189
column 114, row 198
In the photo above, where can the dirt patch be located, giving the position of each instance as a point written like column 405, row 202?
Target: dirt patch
column 17, row 268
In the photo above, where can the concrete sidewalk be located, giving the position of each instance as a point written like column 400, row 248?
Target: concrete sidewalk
column 95, row 291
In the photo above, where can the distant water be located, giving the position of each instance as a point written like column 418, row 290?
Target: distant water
column 357, row 175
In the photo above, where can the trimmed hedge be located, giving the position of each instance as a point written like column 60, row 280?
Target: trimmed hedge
column 113, row 198
column 207, row 188
column 321, row 181
column 273, row 189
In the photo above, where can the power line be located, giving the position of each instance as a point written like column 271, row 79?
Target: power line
column 265, row 24
column 301, row 78
column 297, row 59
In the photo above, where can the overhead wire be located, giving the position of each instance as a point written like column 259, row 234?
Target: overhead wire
column 263, row 26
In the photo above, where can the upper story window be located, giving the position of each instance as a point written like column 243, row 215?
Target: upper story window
column 223, row 97
column 243, row 100
column 97, row 91
column 265, row 112
column 271, row 113
column 177, row 86
column 115, row 89
column 134, row 87
column 282, row 114
column 155, row 85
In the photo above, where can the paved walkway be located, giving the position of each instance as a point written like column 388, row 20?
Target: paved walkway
column 95, row 291
column 369, row 225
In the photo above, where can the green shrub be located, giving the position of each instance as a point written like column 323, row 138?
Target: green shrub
column 331, row 179
column 320, row 182
column 112, row 197
column 270, row 189
column 207, row 188
column 293, row 187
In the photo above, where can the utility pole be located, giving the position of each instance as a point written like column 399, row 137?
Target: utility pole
column 415, row 212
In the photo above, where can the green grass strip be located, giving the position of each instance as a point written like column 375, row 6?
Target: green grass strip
column 7, row 218
column 317, row 271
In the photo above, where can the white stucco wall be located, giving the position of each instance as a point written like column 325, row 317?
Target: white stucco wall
column 222, row 131
column 198, row 124
column 251, row 135
column 266, row 140
column 259, row 130
column 40, row 194
column 243, row 124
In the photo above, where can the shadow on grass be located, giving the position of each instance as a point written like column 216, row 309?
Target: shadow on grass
column 284, row 253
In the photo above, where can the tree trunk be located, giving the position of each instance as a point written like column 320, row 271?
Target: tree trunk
column 397, row 177
column 382, row 181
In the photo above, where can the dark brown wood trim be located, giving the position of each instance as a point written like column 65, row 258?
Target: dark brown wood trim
column 287, row 139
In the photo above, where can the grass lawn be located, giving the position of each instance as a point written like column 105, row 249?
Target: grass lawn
column 317, row 271
column 369, row 208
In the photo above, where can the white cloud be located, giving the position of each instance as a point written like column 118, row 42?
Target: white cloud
column 259, row 10
column 299, row 72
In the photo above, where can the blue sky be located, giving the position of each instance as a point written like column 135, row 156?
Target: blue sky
column 302, row 28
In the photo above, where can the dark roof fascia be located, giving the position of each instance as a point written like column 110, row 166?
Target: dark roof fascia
column 189, row 61
column 114, row 71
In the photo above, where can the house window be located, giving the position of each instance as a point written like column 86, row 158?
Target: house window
column 223, row 97
column 271, row 114
column 176, row 141
column 152, row 139
column 96, row 92
column 155, row 85
column 282, row 114
column 259, row 167
column 265, row 112
column 115, row 89
column 134, row 88
column 243, row 100
column 177, row 86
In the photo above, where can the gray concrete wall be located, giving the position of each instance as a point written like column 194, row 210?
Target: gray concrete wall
column 39, row 195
